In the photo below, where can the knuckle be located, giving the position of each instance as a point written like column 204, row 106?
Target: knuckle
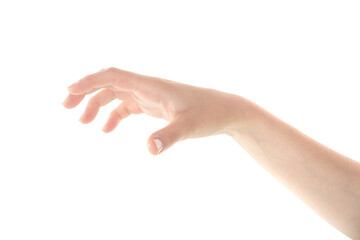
column 111, row 69
column 116, row 113
column 93, row 101
column 88, row 78
column 121, row 113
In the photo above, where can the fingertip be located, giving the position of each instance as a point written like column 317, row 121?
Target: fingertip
column 155, row 146
column 67, row 103
column 81, row 119
column 72, row 100
column 152, row 149
column 112, row 122
column 106, row 129
column 64, row 103
column 84, row 119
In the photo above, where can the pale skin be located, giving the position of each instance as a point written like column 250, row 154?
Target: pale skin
column 325, row 180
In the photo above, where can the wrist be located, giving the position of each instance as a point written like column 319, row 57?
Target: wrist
column 243, row 115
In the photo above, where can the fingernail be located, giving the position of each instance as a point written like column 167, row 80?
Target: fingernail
column 159, row 145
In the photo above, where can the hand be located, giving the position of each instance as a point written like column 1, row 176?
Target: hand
column 191, row 111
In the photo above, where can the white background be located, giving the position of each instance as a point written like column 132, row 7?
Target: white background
column 60, row 179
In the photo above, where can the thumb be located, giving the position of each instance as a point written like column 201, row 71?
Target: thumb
column 166, row 137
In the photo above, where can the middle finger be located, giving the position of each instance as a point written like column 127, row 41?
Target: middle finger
column 102, row 98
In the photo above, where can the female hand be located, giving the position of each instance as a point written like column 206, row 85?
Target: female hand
column 324, row 179
column 191, row 111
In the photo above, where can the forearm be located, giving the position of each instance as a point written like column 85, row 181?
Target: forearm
column 325, row 180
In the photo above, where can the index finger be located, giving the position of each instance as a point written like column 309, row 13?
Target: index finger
column 111, row 77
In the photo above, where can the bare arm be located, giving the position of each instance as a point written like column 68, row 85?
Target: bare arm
column 324, row 179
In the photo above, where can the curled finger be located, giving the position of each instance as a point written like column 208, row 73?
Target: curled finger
column 125, row 109
column 101, row 99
